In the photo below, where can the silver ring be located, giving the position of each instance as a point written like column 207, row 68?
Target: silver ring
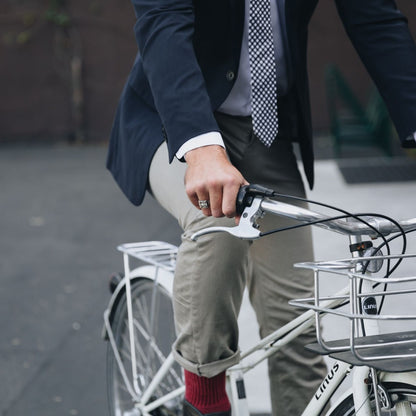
column 203, row 204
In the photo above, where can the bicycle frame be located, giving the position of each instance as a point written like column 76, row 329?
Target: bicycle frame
column 334, row 377
column 270, row 345
column 265, row 347
column 235, row 375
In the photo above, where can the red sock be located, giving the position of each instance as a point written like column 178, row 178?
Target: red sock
column 208, row 395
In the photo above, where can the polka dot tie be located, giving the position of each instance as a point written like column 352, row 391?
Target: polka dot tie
column 262, row 71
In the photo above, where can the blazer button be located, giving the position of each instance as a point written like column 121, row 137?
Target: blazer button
column 230, row 75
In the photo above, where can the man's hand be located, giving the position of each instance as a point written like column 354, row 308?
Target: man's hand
column 210, row 176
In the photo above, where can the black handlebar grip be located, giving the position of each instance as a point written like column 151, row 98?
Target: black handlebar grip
column 247, row 193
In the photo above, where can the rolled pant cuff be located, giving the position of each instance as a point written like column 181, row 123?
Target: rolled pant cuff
column 210, row 369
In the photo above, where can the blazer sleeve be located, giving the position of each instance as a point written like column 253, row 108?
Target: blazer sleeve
column 379, row 32
column 164, row 31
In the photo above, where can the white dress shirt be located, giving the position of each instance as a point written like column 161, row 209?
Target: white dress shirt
column 238, row 102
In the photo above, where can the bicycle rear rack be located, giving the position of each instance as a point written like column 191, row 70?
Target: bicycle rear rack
column 162, row 255
column 391, row 351
column 158, row 253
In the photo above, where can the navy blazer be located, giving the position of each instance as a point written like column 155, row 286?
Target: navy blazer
column 188, row 63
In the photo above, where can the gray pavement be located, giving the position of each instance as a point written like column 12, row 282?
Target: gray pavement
column 61, row 219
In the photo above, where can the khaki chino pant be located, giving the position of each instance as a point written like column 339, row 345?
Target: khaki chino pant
column 212, row 273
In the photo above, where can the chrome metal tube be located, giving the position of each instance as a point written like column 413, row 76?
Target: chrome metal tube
column 352, row 227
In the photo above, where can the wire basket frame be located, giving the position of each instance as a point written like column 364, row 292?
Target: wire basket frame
column 362, row 309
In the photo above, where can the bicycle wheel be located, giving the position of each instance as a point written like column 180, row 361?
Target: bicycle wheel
column 154, row 334
column 402, row 398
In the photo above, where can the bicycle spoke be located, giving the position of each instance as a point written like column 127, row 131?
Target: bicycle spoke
column 144, row 313
column 141, row 358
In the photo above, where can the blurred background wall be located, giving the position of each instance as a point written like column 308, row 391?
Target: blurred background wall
column 63, row 64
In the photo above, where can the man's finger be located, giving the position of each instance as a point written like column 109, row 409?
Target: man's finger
column 216, row 196
column 230, row 198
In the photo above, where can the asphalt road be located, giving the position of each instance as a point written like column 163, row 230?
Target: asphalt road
column 61, row 219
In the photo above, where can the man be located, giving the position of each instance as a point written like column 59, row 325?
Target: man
column 194, row 86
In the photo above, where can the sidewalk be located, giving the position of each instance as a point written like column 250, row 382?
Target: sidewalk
column 62, row 217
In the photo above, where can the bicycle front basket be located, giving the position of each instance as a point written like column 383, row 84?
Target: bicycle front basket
column 386, row 341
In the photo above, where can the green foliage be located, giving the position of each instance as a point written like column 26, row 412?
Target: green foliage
column 34, row 14
column 56, row 13
column 38, row 12
column 58, row 18
column 23, row 37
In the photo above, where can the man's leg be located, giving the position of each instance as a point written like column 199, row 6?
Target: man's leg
column 209, row 281
column 294, row 373
column 275, row 167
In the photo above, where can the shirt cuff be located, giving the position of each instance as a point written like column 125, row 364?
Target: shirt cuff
column 206, row 139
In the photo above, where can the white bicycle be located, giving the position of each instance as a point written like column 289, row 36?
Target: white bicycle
column 143, row 378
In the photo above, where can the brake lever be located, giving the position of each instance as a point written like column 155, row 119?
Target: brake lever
column 247, row 229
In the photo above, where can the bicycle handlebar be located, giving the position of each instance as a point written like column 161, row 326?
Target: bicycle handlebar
column 254, row 200
column 351, row 226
